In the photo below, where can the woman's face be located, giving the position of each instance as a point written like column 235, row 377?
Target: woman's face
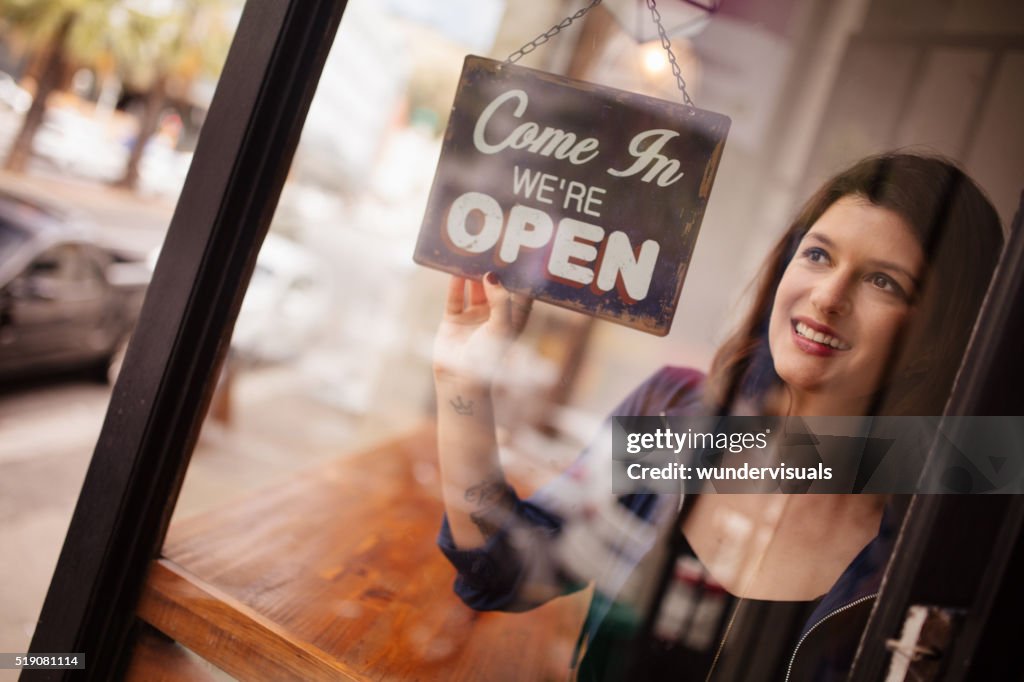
column 841, row 303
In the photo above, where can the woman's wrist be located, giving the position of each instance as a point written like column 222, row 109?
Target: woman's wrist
column 446, row 381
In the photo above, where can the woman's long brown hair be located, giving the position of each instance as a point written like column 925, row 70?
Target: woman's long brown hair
column 961, row 236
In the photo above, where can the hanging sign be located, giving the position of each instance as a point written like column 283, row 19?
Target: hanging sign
column 580, row 195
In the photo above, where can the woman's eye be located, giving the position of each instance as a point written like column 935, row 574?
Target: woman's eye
column 816, row 255
column 885, row 283
column 881, row 281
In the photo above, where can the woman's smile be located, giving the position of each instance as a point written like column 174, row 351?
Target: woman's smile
column 817, row 338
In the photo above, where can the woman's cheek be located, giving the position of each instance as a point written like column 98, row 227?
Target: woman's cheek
column 782, row 305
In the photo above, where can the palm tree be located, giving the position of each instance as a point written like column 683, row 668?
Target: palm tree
column 56, row 31
column 153, row 50
column 191, row 39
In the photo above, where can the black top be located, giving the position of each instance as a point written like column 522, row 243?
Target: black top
column 696, row 618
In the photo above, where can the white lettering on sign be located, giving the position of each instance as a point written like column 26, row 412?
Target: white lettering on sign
column 530, row 183
column 636, row 270
column 530, row 136
column 529, row 227
column 539, row 186
column 524, row 181
column 458, row 216
column 574, row 245
column 571, row 244
column 584, row 198
column 659, row 167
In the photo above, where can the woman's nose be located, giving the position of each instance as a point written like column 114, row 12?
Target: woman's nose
column 831, row 294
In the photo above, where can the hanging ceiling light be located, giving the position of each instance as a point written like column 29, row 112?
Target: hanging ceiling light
column 681, row 18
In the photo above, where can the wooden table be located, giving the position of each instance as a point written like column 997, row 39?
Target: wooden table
column 335, row 575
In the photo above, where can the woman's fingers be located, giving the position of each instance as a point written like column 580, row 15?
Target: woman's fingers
column 519, row 306
column 497, row 300
column 509, row 311
column 456, row 299
column 477, row 296
column 482, row 319
column 506, row 311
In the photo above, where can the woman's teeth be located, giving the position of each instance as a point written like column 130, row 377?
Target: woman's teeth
column 824, row 339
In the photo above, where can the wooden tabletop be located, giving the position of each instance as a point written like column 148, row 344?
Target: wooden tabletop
column 336, row 575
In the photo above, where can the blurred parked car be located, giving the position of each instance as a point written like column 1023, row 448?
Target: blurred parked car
column 287, row 305
column 65, row 300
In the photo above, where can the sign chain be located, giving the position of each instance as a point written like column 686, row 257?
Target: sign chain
column 665, row 43
column 549, row 34
column 565, row 23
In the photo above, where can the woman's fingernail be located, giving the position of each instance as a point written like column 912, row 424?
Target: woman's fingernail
column 491, row 277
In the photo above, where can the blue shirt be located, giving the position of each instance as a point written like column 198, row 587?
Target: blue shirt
column 568, row 535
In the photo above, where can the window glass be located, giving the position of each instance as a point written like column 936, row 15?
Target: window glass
column 356, row 408
column 100, row 110
column 63, row 265
column 10, row 238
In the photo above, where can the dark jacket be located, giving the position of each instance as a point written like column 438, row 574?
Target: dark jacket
column 541, row 551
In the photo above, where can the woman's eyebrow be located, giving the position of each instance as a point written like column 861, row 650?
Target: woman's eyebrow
column 818, row 237
column 883, row 264
column 889, row 265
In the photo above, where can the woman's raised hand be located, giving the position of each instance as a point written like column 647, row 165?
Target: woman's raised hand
column 481, row 321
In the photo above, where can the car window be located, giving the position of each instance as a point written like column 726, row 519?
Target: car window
column 52, row 264
column 65, row 265
column 11, row 238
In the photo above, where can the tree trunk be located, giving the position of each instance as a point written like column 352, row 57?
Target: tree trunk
column 49, row 79
column 155, row 100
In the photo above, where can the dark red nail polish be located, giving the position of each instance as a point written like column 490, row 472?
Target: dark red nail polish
column 492, row 277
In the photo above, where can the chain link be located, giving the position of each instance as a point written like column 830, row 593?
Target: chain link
column 665, row 43
column 565, row 23
column 549, row 34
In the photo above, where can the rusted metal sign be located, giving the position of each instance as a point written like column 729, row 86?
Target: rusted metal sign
column 584, row 196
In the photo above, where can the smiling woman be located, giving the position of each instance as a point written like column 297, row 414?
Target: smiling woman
column 891, row 260
column 864, row 307
column 840, row 306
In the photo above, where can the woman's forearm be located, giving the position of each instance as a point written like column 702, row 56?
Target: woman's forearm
column 481, row 320
column 477, row 498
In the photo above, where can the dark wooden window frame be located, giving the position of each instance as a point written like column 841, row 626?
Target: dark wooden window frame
column 169, row 373
column 161, row 396
column 953, row 551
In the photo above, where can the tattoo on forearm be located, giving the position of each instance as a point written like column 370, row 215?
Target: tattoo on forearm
column 462, row 406
column 488, row 493
column 494, row 500
column 484, row 524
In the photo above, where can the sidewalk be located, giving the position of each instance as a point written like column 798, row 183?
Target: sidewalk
column 47, row 433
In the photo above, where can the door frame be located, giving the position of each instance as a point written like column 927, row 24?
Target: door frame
column 239, row 168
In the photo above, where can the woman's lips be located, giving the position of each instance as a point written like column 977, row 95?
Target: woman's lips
column 815, row 341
